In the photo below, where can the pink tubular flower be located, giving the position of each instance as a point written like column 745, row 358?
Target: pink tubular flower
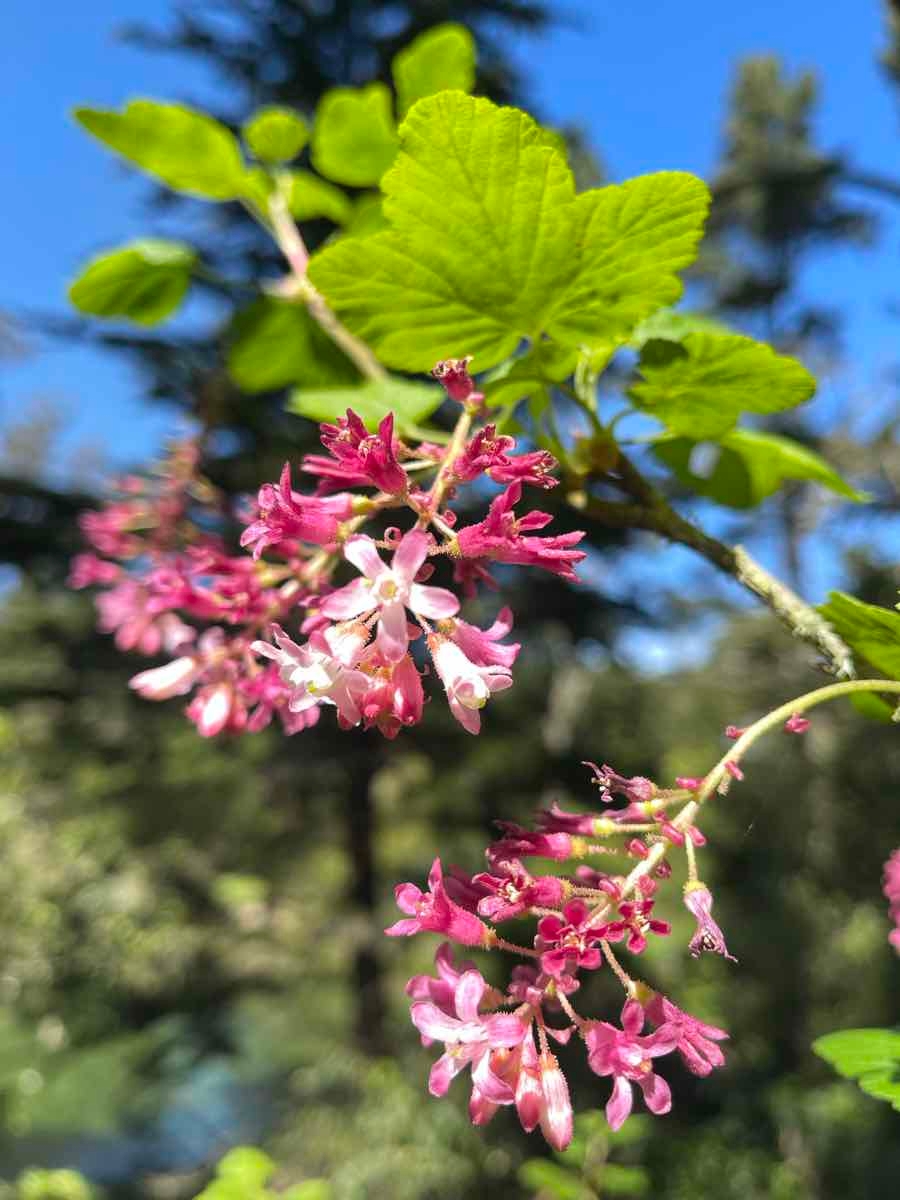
column 395, row 696
column 515, row 892
column 470, row 1037
column 637, row 789
column 468, row 687
column 698, row 901
column 87, row 570
column 218, row 707
column 489, row 453
column 500, row 536
column 796, row 724
column 358, row 457
column 892, row 892
column 285, row 515
column 526, row 843
column 483, row 646
column 174, row 679
column 569, row 942
column 441, row 990
column 696, row 1040
column 453, row 375
column 389, row 591
column 323, row 671
column 626, row 1056
column 434, row 912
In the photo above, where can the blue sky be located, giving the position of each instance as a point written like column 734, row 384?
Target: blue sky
column 647, row 80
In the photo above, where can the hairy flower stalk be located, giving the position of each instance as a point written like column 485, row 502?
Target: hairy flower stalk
column 578, row 914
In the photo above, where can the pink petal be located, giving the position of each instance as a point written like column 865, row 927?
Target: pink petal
column 363, row 553
column 404, row 928
column 410, row 554
column 435, row 603
column 556, row 1111
column 491, row 1086
column 504, row 1030
column 632, row 1018
column 469, row 992
column 349, row 601
column 657, row 1095
column 393, row 639
column 407, row 896
column 434, row 1023
column 444, row 1071
column 469, row 718
column 619, row 1104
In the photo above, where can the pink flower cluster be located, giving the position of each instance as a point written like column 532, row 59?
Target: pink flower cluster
column 892, row 892
column 252, row 636
column 504, row 1034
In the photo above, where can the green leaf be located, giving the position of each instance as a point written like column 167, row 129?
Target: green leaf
column 275, row 134
column 540, row 367
column 187, row 150
column 274, row 343
column 310, row 1189
column 309, row 197
column 870, row 1056
column 631, row 239
column 870, row 631
column 410, row 402
column 441, row 59
column 673, row 325
column 354, row 137
column 623, row 1181
column 368, row 216
column 247, row 1165
column 480, row 239
column 700, row 386
column 548, row 1177
column 744, row 467
column 144, row 281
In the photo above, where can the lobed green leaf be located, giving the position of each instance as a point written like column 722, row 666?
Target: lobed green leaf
column 441, row 59
column 746, row 467
column 700, row 386
column 310, row 197
column 354, row 137
column 188, row 150
column 143, row 281
column 870, row 1056
column 479, row 242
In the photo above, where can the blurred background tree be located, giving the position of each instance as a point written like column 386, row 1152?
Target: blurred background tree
column 193, row 953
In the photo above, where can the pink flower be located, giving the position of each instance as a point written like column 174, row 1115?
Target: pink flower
column 125, row 611
column 796, row 724
column 389, row 591
column 526, row 843
column 892, row 892
column 453, row 375
column 87, row 570
column 323, row 671
column 709, row 936
column 636, row 922
column 174, row 679
column 358, row 457
column 468, row 687
column 500, row 536
column 515, row 892
column 395, row 696
column 696, row 1040
column 483, row 646
column 569, row 942
column 434, row 912
column 217, row 707
column 285, row 515
column 637, row 789
column 489, row 453
column 626, row 1056
column 556, row 1107
column 441, row 990
column 469, row 1036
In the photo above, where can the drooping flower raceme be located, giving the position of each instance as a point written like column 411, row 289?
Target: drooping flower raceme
column 281, row 630
column 578, row 918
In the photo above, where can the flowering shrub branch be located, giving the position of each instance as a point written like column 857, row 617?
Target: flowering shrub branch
column 579, row 917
